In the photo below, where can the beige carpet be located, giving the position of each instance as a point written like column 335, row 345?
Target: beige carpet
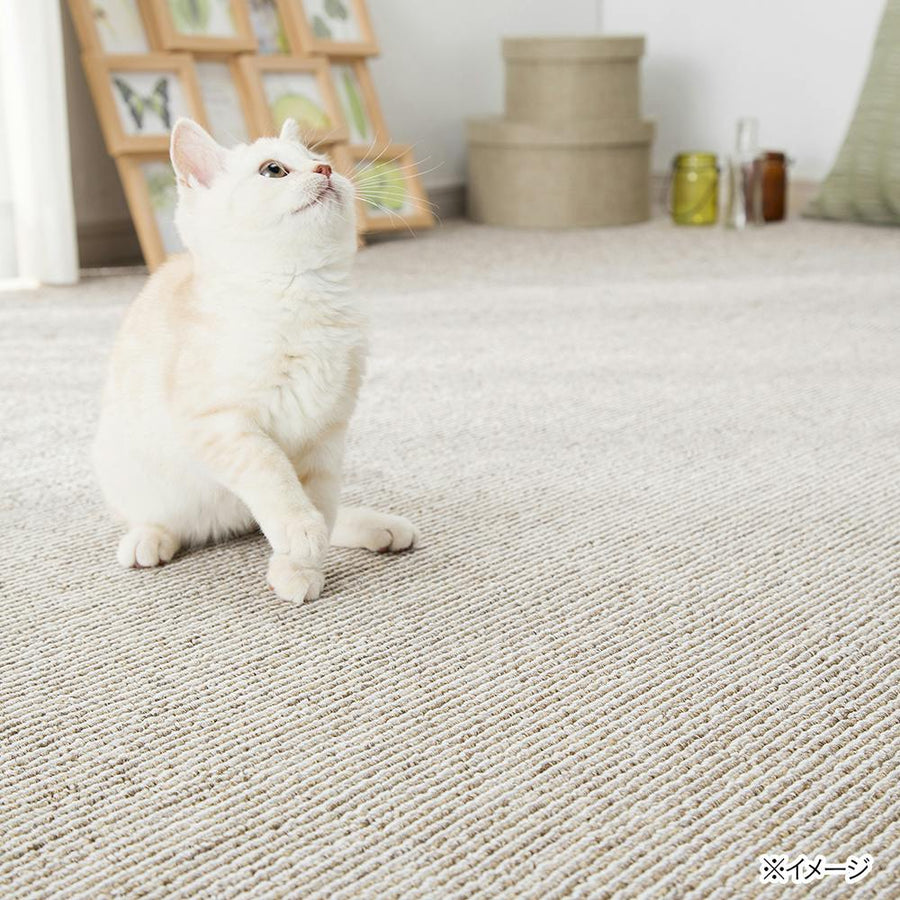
column 651, row 633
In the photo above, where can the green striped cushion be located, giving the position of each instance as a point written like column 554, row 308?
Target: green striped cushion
column 864, row 184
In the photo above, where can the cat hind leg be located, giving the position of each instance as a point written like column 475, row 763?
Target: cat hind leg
column 147, row 546
column 358, row 527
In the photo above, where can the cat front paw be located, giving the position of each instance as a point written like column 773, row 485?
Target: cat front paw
column 294, row 580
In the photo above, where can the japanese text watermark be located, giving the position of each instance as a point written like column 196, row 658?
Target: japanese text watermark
column 778, row 868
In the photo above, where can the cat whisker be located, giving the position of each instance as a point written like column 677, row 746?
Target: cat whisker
column 376, row 192
column 399, row 198
column 421, row 202
column 363, row 178
column 395, row 216
column 372, row 144
column 416, row 164
column 381, row 196
column 366, row 161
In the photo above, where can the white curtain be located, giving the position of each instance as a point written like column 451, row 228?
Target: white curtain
column 35, row 153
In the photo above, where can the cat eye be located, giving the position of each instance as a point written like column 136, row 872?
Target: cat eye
column 272, row 169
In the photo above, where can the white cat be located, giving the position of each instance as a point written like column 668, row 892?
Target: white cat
column 236, row 370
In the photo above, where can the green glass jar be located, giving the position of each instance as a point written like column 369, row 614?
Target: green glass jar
column 695, row 189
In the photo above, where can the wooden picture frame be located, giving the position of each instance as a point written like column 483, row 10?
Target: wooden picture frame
column 173, row 37
column 137, row 118
column 113, row 27
column 149, row 182
column 359, row 102
column 404, row 203
column 269, row 21
column 227, row 102
column 313, row 102
column 307, row 19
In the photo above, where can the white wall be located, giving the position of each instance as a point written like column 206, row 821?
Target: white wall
column 797, row 65
column 441, row 63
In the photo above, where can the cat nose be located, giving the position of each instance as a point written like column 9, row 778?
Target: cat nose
column 322, row 169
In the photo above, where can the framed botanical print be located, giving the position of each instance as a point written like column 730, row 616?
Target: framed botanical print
column 211, row 26
column 332, row 27
column 390, row 195
column 291, row 88
column 112, row 26
column 149, row 182
column 139, row 98
column 267, row 19
column 226, row 100
column 359, row 102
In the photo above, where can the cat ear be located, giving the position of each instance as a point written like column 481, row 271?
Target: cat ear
column 196, row 157
column 290, row 131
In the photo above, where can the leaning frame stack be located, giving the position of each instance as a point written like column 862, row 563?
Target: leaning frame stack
column 239, row 67
column 572, row 150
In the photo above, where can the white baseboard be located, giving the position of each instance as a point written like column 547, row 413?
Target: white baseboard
column 450, row 200
column 114, row 243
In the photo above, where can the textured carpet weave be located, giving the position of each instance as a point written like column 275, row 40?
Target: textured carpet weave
column 651, row 634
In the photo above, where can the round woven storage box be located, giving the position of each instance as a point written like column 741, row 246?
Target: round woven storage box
column 582, row 175
column 553, row 80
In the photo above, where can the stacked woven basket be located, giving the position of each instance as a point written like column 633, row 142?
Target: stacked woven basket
column 572, row 150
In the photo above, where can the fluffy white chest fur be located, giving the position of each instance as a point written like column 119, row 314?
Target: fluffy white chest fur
column 294, row 361
column 236, row 370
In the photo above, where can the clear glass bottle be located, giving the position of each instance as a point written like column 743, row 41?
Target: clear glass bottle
column 741, row 177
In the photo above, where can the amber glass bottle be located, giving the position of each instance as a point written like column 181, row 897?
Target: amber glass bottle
column 771, row 187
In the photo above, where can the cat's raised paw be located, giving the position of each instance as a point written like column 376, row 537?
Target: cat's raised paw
column 293, row 580
column 146, row 546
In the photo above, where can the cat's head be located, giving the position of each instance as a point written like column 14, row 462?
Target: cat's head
column 273, row 204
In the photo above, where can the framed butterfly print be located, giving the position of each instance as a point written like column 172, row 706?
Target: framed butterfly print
column 332, row 27
column 139, row 98
column 149, row 182
column 292, row 88
column 359, row 102
column 390, row 195
column 203, row 26
column 112, row 26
